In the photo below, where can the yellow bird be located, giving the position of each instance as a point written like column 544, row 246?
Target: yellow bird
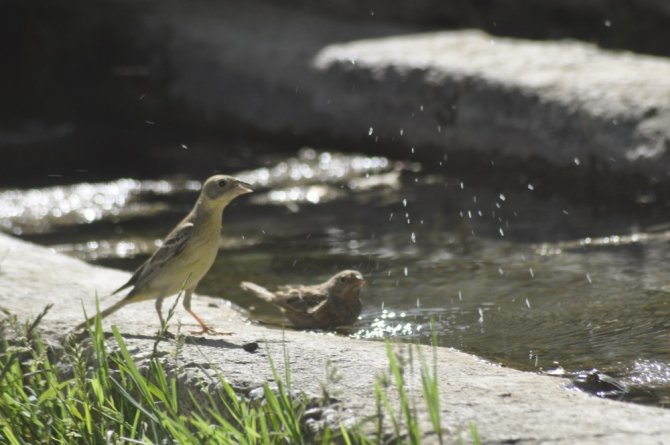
column 186, row 255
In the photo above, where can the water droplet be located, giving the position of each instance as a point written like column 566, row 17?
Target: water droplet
column 413, row 238
column 404, row 202
column 502, row 197
column 576, row 161
column 402, row 131
column 370, row 131
column 502, row 232
column 531, row 187
column 588, row 278
column 481, row 315
column 532, row 274
column 527, row 303
column 405, row 271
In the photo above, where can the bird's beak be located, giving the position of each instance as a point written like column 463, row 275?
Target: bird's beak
column 242, row 188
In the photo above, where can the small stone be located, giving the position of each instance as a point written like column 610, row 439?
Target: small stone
column 250, row 347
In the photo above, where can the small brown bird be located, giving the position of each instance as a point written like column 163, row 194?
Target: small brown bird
column 326, row 305
column 186, row 255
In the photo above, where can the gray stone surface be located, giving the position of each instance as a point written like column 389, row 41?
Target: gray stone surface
column 285, row 71
column 555, row 100
column 507, row 406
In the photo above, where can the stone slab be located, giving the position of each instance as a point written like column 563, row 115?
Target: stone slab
column 506, row 405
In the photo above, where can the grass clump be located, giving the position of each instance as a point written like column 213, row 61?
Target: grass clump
column 101, row 395
column 105, row 398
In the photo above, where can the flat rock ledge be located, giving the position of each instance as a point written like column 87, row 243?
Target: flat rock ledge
column 421, row 94
column 506, row 405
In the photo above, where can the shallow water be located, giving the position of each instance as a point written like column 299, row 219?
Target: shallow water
column 518, row 277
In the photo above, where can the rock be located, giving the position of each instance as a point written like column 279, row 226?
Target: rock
column 445, row 92
column 639, row 25
column 250, row 347
column 507, row 406
column 561, row 101
column 382, row 85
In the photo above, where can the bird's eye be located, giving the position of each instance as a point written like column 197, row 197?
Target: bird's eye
column 223, row 183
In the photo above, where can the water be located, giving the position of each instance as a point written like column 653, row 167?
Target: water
column 519, row 278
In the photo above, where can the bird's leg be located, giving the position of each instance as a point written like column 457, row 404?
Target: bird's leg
column 204, row 329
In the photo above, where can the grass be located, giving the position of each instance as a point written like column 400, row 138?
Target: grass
column 101, row 395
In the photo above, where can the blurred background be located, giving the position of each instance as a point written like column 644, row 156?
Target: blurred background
column 496, row 168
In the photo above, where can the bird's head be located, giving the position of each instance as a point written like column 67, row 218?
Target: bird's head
column 221, row 189
column 346, row 281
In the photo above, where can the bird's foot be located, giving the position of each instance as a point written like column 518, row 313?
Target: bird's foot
column 207, row 330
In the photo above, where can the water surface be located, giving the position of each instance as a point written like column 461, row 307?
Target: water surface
column 517, row 277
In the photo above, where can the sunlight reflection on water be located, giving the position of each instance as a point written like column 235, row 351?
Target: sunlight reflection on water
column 40, row 210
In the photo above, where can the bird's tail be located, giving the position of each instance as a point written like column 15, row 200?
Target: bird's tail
column 260, row 291
column 110, row 310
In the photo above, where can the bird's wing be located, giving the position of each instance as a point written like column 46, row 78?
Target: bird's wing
column 316, row 308
column 300, row 299
column 173, row 245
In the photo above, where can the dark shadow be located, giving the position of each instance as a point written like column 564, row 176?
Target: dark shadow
column 189, row 339
column 211, row 342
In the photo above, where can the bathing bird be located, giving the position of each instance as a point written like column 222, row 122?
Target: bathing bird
column 327, row 305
